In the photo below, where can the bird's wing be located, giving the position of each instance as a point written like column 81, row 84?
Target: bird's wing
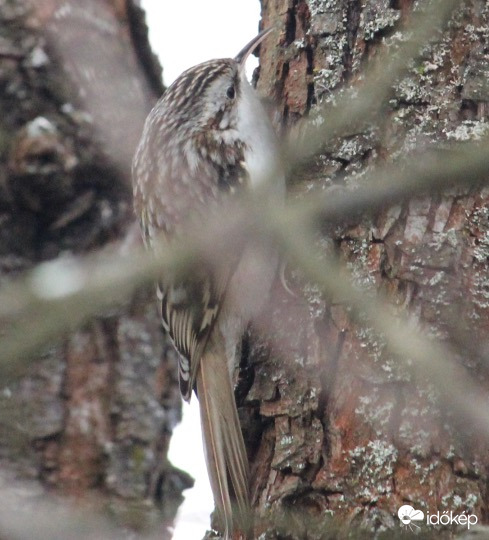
column 190, row 303
column 189, row 308
column 168, row 192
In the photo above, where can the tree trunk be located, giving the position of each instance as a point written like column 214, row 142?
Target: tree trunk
column 342, row 434
column 94, row 414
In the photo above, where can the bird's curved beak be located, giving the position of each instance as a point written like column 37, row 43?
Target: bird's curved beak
column 243, row 54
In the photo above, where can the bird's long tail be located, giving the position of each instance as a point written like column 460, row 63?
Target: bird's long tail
column 225, row 453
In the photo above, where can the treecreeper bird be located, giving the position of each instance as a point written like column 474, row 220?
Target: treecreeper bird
column 208, row 139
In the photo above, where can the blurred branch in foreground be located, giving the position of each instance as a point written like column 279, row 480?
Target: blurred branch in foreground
column 106, row 285
column 66, row 293
column 427, row 359
column 59, row 296
column 453, row 166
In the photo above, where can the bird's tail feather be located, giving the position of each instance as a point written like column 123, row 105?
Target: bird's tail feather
column 225, row 453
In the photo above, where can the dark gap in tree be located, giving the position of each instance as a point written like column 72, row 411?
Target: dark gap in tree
column 291, row 27
column 468, row 109
column 311, row 98
column 353, row 18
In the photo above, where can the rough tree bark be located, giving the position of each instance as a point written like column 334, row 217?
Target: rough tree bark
column 94, row 414
column 342, row 435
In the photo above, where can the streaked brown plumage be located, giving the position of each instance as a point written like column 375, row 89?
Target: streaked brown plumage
column 207, row 138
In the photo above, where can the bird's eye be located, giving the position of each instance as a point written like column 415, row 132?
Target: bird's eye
column 230, row 92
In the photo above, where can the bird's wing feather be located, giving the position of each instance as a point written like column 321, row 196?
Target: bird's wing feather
column 190, row 304
column 189, row 308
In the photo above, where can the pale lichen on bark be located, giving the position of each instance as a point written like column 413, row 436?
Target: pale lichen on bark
column 388, row 439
